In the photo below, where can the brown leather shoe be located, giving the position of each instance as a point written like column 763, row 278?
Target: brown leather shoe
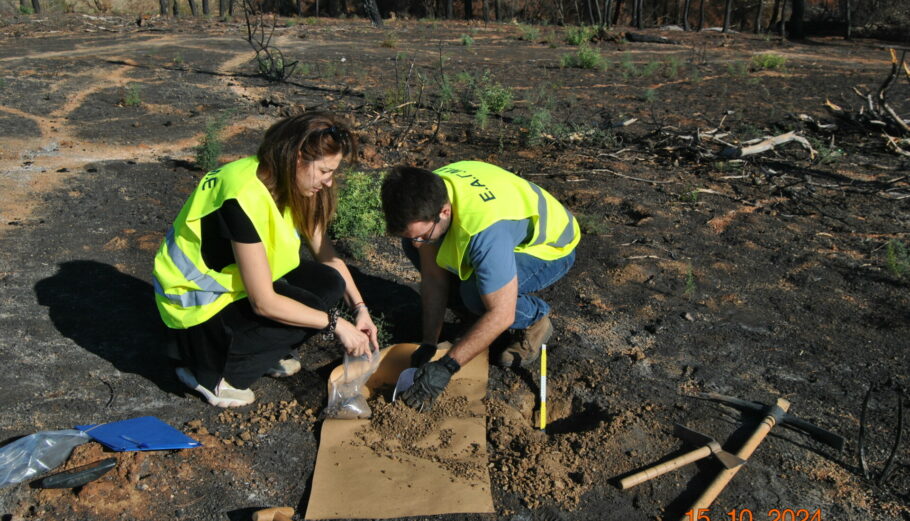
column 525, row 345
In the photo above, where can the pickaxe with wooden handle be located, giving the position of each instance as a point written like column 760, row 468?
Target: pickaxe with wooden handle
column 774, row 415
column 829, row 438
column 707, row 447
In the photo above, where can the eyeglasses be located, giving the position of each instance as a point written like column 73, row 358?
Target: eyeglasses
column 422, row 240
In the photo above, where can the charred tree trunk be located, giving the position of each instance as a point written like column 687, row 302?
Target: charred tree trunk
column 486, row 11
column 848, row 16
column 36, row 6
column 608, row 4
column 206, row 8
column 774, row 11
column 176, row 8
column 372, row 12
column 164, row 7
column 727, row 12
column 761, row 7
column 193, row 7
column 701, row 15
column 781, row 23
column 590, row 12
column 685, row 20
column 468, row 9
column 797, row 11
column 450, row 9
column 617, row 12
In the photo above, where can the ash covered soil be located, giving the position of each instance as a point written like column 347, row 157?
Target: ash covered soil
column 762, row 278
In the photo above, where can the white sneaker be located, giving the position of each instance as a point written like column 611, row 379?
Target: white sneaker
column 285, row 368
column 225, row 395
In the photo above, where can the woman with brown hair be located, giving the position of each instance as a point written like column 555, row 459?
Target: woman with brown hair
column 229, row 278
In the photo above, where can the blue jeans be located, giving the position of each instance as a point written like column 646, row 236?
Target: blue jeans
column 533, row 275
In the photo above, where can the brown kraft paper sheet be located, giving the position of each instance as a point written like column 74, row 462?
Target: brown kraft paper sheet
column 354, row 479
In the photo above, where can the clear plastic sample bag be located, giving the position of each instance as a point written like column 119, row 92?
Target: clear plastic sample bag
column 346, row 401
column 37, row 453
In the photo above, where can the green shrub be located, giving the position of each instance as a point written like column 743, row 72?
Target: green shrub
column 24, row 9
column 627, row 66
column 592, row 224
column 132, row 96
column 738, row 69
column 529, row 33
column 650, row 68
column 390, row 41
column 898, row 258
column 690, row 282
column 580, row 35
column 671, row 67
column 359, row 212
column 649, row 95
column 585, row 58
column 491, row 98
column 466, row 40
column 209, row 149
column 768, row 61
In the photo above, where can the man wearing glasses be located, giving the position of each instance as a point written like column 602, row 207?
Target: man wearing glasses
column 492, row 237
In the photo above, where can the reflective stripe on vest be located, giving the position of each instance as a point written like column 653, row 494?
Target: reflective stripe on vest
column 482, row 194
column 568, row 233
column 211, row 289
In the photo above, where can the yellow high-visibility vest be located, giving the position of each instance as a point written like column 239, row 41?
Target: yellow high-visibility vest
column 187, row 292
column 482, row 194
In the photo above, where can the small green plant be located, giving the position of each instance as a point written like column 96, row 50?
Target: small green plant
column 649, row 95
column 178, row 60
column 311, row 20
column 466, row 40
column 826, row 153
column 359, row 216
column 131, row 96
column 738, row 69
column 303, row 70
column 671, row 67
column 491, row 98
column 690, row 282
column 592, row 224
column 290, row 22
column 650, row 68
column 768, row 61
column 689, row 197
column 695, row 76
column 580, row 35
column 627, row 66
column 585, row 58
column 209, row 149
column 390, row 41
column 24, row 9
column 898, row 258
column 529, row 33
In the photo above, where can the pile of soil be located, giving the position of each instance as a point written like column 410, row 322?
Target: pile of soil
column 397, row 431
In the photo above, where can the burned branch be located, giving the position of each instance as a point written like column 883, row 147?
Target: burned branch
column 877, row 115
column 269, row 59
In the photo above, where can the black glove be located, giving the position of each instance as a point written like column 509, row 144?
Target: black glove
column 429, row 382
column 423, row 354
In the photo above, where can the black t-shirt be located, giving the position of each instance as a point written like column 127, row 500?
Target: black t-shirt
column 219, row 228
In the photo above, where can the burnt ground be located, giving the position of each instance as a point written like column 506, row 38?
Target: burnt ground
column 762, row 278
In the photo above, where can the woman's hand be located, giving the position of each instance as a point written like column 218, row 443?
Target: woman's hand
column 354, row 341
column 364, row 323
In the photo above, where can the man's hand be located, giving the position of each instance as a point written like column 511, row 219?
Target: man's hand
column 423, row 354
column 429, row 382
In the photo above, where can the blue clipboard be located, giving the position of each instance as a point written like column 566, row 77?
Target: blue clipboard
column 144, row 433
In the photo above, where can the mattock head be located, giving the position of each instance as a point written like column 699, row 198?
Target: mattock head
column 696, row 438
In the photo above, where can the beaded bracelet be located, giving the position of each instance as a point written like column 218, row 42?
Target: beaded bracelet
column 328, row 332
